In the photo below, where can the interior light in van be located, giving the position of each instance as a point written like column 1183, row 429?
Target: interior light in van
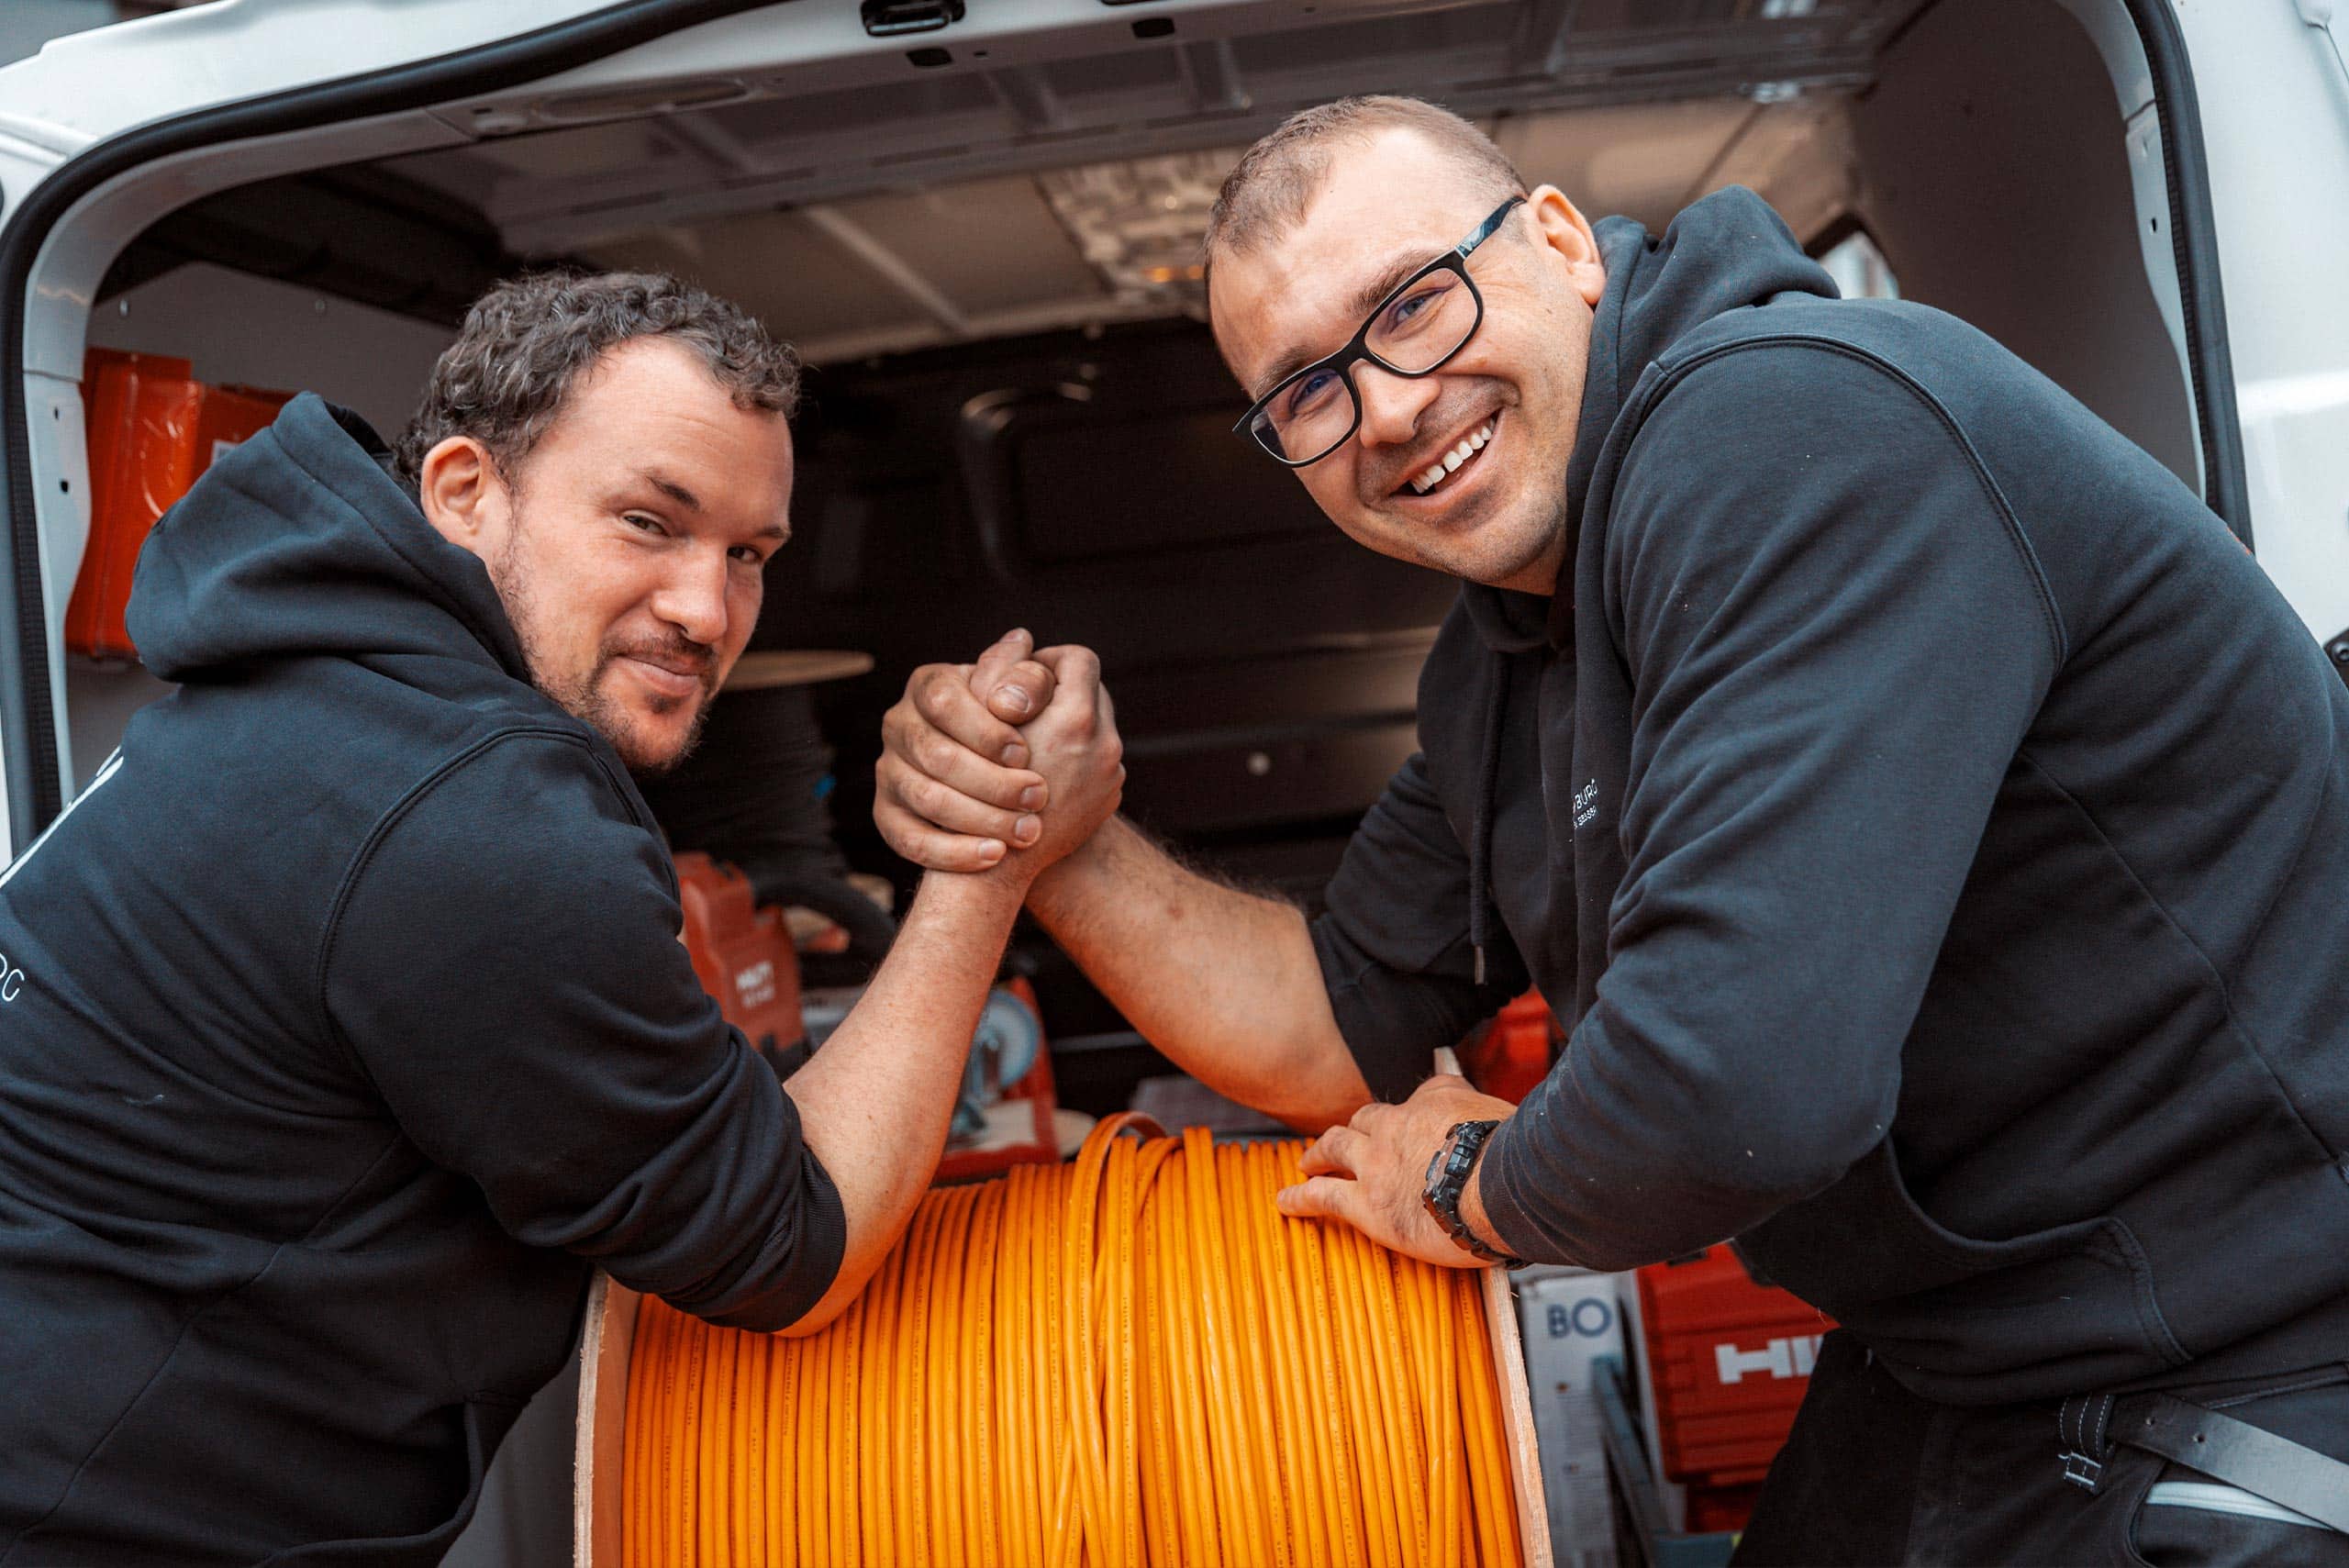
column 1139, row 221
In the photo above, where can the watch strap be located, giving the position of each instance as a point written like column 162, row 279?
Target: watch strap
column 1448, row 1175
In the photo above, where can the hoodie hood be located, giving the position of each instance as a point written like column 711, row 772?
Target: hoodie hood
column 1730, row 251
column 299, row 543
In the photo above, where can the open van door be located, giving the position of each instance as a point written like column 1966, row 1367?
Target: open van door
column 2271, row 81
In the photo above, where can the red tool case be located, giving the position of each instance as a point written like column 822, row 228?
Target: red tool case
column 153, row 429
column 1726, row 1360
column 741, row 954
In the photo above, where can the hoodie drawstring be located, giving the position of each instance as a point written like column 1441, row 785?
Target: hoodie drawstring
column 1480, row 831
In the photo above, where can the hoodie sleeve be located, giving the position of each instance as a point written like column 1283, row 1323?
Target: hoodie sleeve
column 1837, row 638
column 1393, row 940
column 505, row 968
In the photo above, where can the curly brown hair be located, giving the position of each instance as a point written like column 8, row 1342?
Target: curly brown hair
column 526, row 341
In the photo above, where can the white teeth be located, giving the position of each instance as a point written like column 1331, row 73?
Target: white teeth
column 1435, row 474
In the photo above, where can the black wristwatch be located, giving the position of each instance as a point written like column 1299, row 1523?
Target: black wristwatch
column 1448, row 1177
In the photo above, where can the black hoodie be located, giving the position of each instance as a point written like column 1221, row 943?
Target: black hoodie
column 349, row 1029
column 1933, row 826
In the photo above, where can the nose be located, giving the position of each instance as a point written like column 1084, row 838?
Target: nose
column 693, row 597
column 1391, row 404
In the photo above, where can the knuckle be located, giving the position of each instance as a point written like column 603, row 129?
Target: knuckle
column 933, row 799
column 934, row 754
column 938, row 693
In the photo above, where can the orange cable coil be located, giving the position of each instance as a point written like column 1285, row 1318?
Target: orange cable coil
column 1132, row 1358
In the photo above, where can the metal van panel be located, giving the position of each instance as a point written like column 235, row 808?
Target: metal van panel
column 2276, row 132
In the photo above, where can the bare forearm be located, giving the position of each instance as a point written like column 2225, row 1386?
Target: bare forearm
column 1224, row 982
column 875, row 1103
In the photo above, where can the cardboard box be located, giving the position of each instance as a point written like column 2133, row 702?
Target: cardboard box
column 1570, row 1318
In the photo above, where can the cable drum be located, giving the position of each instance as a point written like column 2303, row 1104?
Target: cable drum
column 1132, row 1358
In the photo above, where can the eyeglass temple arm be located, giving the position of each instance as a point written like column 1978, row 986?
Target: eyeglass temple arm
column 1485, row 230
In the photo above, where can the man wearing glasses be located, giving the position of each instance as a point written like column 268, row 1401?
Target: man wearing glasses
column 1931, row 821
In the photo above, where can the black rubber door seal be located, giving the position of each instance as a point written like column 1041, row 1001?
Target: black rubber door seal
column 2194, row 241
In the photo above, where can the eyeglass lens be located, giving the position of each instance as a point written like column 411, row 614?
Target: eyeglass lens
column 1313, row 411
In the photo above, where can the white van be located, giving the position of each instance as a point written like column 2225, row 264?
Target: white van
column 979, row 220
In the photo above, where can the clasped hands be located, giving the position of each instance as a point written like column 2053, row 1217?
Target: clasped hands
column 1009, row 765
column 999, row 768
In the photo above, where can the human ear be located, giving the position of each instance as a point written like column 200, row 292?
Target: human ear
column 461, row 495
column 1562, row 230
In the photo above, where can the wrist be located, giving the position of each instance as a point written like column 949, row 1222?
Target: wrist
column 1472, row 1203
column 1452, row 1195
column 997, row 894
column 1053, row 883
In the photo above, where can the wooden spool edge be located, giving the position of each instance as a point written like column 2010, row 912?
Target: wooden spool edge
column 610, row 1337
column 600, row 1433
column 1516, row 1419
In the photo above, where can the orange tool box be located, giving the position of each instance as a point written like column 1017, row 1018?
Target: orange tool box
column 1728, row 1360
column 153, row 429
column 1507, row 1055
column 741, row 954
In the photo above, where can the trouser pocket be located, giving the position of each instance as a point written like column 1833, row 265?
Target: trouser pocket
column 2254, row 1477
column 2189, row 1521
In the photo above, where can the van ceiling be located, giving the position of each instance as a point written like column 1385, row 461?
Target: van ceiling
column 978, row 199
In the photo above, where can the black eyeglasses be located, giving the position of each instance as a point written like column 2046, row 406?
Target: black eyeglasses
column 1429, row 318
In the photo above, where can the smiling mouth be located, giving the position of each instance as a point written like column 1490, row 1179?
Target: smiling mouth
column 665, row 676
column 1438, row 474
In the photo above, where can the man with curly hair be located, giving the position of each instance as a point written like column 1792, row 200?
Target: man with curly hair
column 354, row 1031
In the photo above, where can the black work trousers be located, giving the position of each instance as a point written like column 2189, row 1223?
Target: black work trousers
column 1874, row 1474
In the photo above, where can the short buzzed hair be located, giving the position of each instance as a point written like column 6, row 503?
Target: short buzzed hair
column 1269, row 189
column 528, row 341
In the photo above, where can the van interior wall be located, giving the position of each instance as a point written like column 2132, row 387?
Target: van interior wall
column 236, row 329
column 242, row 330
column 1087, row 486
column 1995, row 179
column 1084, row 482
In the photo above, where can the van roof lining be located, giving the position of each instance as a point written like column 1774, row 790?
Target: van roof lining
column 1074, row 187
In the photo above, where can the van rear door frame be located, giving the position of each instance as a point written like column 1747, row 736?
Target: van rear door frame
column 29, row 752
column 2194, row 240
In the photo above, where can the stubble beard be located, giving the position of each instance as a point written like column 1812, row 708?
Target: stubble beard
column 585, row 697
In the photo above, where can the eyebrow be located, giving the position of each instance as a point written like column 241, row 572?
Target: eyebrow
column 692, row 502
column 1385, row 280
column 672, row 489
